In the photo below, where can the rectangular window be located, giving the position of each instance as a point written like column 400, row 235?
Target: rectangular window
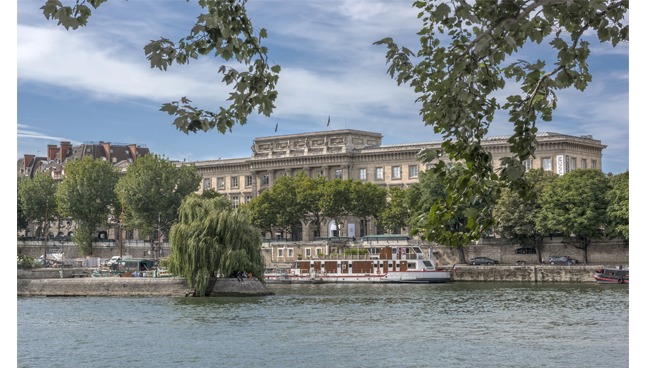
column 220, row 183
column 338, row 173
column 583, row 163
column 308, row 252
column 396, row 172
column 378, row 173
column 248, row 181
column 248, row 198
column 362, row 174
column 290, row 252
column 207, row 183
column 234, row 182
column 573, row 163
column 266, row 180
column 412, row 171
column 593, row 164
column 527, row 164
column 279, row 252
column 546, row 164
column 235, row 200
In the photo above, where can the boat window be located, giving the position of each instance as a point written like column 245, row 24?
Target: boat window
column 428, row 264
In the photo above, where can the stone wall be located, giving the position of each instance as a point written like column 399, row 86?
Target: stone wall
column 536, row 273
column 134, row 287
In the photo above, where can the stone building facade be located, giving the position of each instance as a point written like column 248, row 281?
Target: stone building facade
column 361, row 155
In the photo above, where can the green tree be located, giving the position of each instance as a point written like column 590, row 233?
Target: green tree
column 456, row 224
column 516, row 215
column 470, row 53
column 575, row 205
column 36, row 200
column 86, row 194
column 223, row 30
column 617, row 211
column 396, row 214
column 22, row 221
column 262, row 211
column 335, row 200
column 277, row 207
column 153, row 189
column 309, row 192
column 212, row 239
column 368, row 201
column 422, row 195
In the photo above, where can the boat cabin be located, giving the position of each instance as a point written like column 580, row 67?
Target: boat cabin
column 133, row 265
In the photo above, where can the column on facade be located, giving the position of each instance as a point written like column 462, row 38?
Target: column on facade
column 325, row 172
column 255, row 184
column 270, row 178
column 345, row 172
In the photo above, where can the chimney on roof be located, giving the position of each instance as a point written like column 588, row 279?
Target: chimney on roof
column 65, row 146
column 27, row 161
column 52, row 152
column 132, row 150
column 107, row 150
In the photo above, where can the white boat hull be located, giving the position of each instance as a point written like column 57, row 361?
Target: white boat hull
column 389, row 277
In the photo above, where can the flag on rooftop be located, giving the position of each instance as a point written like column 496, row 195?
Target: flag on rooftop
column 276, row 127
column 329, row 120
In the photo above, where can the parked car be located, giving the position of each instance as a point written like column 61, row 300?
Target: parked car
column 525, row 250
column 482, row 261
column 562, row 260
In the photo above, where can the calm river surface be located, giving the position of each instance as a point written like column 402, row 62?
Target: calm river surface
column 431, row 325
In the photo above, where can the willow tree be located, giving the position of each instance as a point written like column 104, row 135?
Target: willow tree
column 212, row 239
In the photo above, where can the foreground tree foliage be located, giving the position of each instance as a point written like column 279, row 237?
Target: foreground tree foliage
column 470, row 52
column 224, row 31
column 213, row 239
column 575, row 206
column 449, row 221
column 86, row 194
column 151, row 192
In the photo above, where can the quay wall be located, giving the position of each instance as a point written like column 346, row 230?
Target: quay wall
column 529, row 273
column 133, row 287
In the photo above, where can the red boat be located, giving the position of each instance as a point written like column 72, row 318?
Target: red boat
column 618, row 275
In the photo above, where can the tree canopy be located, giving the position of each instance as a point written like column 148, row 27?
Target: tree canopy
column 224, row 31
column 152, row 190
column 617, row 211
column 471, row 52
column 472, row 56
column 86, row 194
column 575, row 204
column 213, row 239
column 36, row 199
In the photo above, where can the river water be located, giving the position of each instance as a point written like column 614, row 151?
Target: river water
column 342, row 325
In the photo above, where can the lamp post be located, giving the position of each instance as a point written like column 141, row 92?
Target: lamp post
column 45, row 238
column 158, row 237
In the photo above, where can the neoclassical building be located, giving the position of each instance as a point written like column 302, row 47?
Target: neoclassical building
column 360, row 155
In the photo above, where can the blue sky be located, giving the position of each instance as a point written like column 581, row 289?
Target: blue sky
column 95, row 84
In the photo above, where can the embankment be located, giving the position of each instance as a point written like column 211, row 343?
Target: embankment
column 528, row 273
column 134, row 287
